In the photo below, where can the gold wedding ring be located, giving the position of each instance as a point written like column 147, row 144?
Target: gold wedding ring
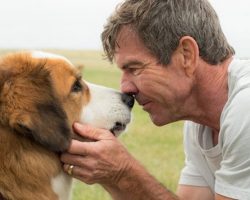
column 70, row 170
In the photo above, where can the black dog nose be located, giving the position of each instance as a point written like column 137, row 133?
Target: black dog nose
column 128, row 100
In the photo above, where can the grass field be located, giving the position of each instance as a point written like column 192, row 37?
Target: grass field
column 159, row 149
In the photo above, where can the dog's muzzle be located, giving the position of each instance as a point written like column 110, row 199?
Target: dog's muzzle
column 119, row 127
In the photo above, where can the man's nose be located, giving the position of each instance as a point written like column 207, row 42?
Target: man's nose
column 128, row 86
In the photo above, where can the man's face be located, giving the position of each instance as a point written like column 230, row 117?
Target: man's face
column 160, row 89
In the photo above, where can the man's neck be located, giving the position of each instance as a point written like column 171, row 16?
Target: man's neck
column 212, row 93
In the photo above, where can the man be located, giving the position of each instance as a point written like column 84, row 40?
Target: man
column 178, row 64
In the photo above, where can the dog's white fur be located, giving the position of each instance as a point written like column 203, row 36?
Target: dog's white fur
column 62, row 186
column 46, row 55
column 99, row 112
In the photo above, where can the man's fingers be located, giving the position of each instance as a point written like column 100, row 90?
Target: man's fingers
column 75, row 171
column 90, row 132
column 72, row 159
column 79, row 148
column 86, row 148
column 75, row 160
column 78, row 167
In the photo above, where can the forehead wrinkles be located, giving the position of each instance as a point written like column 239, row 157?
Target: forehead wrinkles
column 130, row 48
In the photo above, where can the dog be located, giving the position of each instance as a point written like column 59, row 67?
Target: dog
column 41, row 96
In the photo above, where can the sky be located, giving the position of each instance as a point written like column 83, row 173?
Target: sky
column 77, row 24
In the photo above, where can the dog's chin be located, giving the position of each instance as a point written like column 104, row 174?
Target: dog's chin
column 116, row 133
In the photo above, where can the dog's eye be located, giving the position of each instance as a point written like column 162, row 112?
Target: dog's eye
column 77, row 86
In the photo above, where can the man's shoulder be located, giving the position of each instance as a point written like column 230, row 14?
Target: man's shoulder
column 238, row 68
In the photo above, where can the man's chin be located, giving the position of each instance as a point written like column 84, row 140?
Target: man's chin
column 157, row 121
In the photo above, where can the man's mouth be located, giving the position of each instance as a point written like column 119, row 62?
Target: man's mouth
column 146, row 106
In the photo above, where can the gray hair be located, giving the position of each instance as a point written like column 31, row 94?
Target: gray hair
column 160, row 24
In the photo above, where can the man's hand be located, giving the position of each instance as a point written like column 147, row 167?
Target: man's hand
column 102, row 161
column 106, row 161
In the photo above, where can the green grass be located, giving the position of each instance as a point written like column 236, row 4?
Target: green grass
column 159, row 149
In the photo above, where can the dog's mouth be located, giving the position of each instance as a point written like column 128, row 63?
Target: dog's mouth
column 118, row 128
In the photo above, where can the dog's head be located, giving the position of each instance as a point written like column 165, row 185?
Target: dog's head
column 42, row 94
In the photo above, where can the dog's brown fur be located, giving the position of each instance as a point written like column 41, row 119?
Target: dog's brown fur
column 36, row 104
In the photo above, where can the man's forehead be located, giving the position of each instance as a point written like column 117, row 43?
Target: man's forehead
column 126, row 34
column 128, row 42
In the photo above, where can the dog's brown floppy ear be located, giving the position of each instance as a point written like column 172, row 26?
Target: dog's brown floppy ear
column 80, row 67
column 48, row 126
column 30, row 107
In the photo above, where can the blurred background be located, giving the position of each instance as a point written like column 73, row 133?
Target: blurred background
column 77, row 24
column 72, row 28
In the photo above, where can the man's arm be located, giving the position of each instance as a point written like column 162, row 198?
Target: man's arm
column 138, row 184
column 107, row 162
column 150, row 189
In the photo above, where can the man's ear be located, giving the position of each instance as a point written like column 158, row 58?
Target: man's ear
column 190, row 51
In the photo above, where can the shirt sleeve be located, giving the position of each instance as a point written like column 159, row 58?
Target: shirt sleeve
column 233, row 177
column 190, row 175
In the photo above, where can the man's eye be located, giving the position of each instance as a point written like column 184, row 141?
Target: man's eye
column 135, row 71
column 77, row 86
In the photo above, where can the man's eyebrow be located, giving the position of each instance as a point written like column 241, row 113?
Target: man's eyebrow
column 131, row 63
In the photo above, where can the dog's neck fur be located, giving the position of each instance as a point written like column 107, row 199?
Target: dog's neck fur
column 38, row 172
